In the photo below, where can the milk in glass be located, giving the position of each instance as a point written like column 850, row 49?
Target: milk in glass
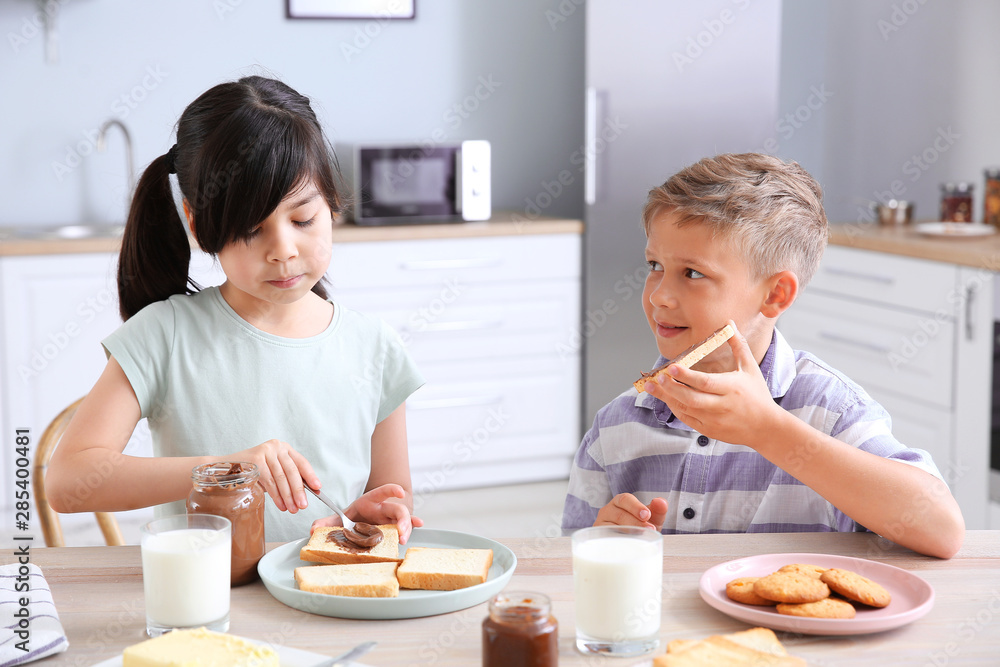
column 617, row 581
column 185, row 576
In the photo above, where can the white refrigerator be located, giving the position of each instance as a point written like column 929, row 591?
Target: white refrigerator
column 668, row 82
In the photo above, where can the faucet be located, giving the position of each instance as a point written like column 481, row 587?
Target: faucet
column 129, row 159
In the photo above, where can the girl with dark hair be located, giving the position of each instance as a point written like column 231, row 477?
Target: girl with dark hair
column 264, row 368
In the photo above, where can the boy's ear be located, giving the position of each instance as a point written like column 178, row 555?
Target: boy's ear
column 784, row 287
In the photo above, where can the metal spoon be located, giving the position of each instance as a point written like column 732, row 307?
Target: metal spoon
column 348, row 524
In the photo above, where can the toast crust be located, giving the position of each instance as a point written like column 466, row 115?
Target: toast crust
column 690, row 356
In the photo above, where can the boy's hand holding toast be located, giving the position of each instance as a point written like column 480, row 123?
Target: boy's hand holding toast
column 734, row 406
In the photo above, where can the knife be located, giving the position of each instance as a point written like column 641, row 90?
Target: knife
column 344, row 659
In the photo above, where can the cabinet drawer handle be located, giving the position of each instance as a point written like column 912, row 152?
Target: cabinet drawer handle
column 462, row 325
column 439, row 264
column 837, row 338
column 457, row 402
column 871, row 277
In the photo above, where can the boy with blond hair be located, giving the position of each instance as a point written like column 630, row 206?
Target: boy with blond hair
column 756, row 437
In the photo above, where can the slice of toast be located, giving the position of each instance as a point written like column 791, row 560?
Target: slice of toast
column 757, row 646
column 360, row 580
column 320, row 549
column 432, row 569
column 690, row 356
column 759, row 639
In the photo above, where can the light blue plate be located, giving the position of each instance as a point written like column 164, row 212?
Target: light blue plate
column 277, row 569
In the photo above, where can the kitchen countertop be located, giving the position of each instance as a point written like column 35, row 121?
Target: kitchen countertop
column 980, row 252
column 98, row 593
column 502, row 223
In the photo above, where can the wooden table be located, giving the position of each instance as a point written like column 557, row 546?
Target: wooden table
column 98, row 591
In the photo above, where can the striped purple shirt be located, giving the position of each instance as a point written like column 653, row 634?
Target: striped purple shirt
column 637, row 446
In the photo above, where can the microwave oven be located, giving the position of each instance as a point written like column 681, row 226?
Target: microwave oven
column 399, row 184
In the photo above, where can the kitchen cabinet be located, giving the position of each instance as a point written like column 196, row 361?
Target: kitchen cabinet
column 490, row 322
column 918, row 336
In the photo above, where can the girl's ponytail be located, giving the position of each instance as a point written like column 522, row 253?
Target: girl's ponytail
column 156, row 254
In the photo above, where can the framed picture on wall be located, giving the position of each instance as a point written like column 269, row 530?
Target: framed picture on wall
column 350, row 9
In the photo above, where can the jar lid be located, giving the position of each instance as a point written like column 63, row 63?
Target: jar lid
column 959, row 188
column 526, row 605
column 992, row 172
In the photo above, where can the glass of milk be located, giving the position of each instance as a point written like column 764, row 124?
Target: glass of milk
column 618, row 581
column 185, row 572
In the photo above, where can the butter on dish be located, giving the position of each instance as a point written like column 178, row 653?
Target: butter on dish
column 198, row 648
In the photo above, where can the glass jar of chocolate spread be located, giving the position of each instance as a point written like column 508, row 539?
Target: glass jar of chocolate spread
column 956, row 202
column 232, row 490
column 520, row 630
column 991, row 197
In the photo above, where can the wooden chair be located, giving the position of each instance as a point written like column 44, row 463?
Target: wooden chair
column 49, row 518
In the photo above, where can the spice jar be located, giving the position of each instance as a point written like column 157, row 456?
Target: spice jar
column 956, row 202
column 991, row 197
column 232, row 490
column 520, row 630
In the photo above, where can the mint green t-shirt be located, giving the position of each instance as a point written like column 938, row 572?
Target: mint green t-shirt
column 210, row 383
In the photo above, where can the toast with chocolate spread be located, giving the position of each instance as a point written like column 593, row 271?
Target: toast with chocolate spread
column 690, row 356
column 330, row 546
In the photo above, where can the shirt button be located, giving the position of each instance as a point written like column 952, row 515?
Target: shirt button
column 689, row 513
column 702, row 440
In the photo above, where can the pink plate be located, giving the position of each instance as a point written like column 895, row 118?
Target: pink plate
column 912, row 597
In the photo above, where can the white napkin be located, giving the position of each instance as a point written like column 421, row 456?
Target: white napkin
column 44, row 634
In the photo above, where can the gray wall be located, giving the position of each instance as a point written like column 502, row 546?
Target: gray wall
column 912, row 90
column 143, row 62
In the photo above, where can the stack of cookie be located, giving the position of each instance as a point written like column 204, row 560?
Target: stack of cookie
column 809, row 590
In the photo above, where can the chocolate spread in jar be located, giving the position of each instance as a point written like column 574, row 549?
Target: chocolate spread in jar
column 520, row 630
column 361, row 539
column 232, row 490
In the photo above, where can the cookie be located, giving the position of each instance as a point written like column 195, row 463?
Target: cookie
column 855, row 587
column 813, row 571
column 825, row 608
column 790, row 587
column 741, row 590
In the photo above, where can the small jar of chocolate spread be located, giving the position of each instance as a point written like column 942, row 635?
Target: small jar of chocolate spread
column 520, row 630
column 232, row 490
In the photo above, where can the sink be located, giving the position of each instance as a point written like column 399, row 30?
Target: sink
column 61, row 232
